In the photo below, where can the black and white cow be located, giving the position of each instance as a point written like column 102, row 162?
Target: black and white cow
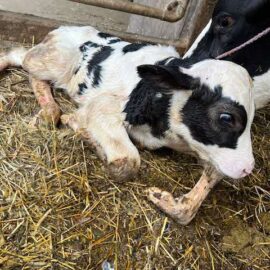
column 233, row 23
column 148, row 94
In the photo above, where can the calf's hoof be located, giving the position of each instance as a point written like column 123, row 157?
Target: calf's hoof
column 67, row 119
column 46, row 116
column 51, row 114
column 180, row 209
column 123, row 169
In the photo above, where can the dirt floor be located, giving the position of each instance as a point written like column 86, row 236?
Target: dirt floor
column 58, row 209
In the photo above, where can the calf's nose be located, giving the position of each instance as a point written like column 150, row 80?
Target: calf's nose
column 248, row 169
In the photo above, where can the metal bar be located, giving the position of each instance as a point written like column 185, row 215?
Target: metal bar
column 172, row 13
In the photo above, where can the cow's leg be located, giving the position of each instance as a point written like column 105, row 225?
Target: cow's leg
column 108, row 136
column 50, row 111
column 184, row 208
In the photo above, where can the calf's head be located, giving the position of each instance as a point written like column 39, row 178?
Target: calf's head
column 212, row 109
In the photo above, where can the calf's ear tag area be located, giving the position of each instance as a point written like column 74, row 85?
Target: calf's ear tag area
column 158, row 95
column 166, row 77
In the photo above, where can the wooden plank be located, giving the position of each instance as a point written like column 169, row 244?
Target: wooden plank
column 25, row 28
column 152, row 27
column 196, row 18
column 185, row 30
column 68, row 11
column 18, row 27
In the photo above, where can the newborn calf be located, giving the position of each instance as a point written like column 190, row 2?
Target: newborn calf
column 145, row 94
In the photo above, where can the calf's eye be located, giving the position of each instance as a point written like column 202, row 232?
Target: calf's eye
column 226, row 22
column 226, row 118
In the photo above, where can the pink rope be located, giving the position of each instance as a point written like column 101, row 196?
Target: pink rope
column 260, row 35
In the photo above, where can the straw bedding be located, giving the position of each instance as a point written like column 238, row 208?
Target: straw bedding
column 59, row 210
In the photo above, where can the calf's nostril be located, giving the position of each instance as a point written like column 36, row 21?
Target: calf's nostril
column 247, row 171
column 249, row 168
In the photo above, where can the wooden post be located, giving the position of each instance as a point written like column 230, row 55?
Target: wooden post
column 185, row 30
column 151, row 27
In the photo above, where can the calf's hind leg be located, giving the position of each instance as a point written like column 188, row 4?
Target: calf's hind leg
column 50, row 111
column 50, row 61
column 32, row 62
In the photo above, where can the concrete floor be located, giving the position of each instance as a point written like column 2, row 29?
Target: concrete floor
column 70, row 12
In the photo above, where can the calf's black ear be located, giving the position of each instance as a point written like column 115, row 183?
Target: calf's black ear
column 167, row 77
column 258, row 11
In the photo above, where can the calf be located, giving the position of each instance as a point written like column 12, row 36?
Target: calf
column 233, row 23
column 148, row 94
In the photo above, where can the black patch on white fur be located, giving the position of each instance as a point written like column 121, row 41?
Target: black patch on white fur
column 133, row 47
column 97, row 76
column 167, row 78
column 84, row 48
column 82, row 87
column 89, row 44
column 94, row 63
column 176, row 62
column 113, row 41
column 105, row 35
column 147, row 105
column 201, row 114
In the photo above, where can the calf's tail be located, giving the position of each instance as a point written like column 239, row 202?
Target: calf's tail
column 12, row 58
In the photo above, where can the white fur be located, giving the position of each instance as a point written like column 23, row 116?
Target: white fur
column 262, row 89
column 119, row 74
column 16, row 56
column 142, row 135
column 13, row 58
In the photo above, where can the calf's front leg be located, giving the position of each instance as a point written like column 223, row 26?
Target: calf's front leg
column 107, row 134
column 184, row 208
